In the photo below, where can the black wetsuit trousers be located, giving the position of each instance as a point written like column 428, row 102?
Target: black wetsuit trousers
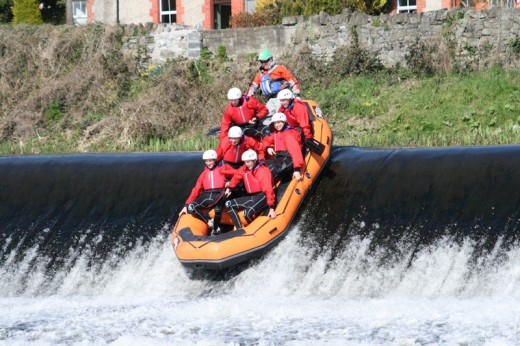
column 281, row 166
column 204, row 203
column 251, row 204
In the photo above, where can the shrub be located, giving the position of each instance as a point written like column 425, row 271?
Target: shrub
column 222, row 53
column 292, row 8
column 419, row 58
column 53, row 11
column 354, row 60
column 426, row 58
column 6, row 11
column 53, row 113
column 514, row 44
column 205, row 54
column 275, row 10
column 26, row 12
column 248, row 20
column 200, row 72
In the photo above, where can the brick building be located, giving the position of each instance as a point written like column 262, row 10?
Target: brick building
column 215, row 14
column 399, row 6
column 208, row 14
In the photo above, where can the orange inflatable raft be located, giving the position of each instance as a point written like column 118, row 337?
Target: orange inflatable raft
column 198, row 250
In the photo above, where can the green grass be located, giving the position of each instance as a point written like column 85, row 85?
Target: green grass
column 41, row 144
column 198, row 143
column 49, row 145
column 386, row 110
column 480, row 108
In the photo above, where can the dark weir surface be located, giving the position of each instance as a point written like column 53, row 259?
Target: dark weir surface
column 410, row 198
column 59, row 202
column 440, row 186
column 395, row 195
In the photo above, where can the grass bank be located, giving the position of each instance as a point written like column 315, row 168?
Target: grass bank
column 477, row 108
column 69, row 90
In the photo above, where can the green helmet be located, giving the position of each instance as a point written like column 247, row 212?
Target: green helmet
column 265, row 54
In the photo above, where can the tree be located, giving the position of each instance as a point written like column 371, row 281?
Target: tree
column 53, row 11
column 6, row 11
column 277, row 9
column 26, row 12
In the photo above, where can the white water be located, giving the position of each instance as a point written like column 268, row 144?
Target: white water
column 291, row 297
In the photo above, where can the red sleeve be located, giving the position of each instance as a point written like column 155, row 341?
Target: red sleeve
column 222, row 148
column 294, row 148
column 228, row 171
column 254, row 84
column 302, row 117
column 266, row 181
column 256, row 146
column 226, row 122
column 257, row 78
column 237, row 177
column 197, row 190
column 261, row 110
column 283, row 72
column 268, row 141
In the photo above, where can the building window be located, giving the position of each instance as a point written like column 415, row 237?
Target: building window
column 168, row 11
column 406, row 6
column 502, row 3
column 79, row 12
column 222, row 15
column 250, row 6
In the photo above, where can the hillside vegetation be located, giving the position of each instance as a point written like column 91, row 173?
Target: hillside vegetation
column 72, row 89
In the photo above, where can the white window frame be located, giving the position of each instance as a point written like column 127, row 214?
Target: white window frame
column 79, row 12
column 408, row 8
column 503, row 3
column 250, row 6
column 167, row 12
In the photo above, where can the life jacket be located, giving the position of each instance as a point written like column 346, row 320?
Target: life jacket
column 270, row 87
column 239, row 112
column 251, row 183
column 234, row 153
column 279, row 139
column 235, row 165
column 291, row 105
column 292, row 119
column 213, row 179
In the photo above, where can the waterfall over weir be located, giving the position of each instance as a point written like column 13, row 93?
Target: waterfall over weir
column 418, row 194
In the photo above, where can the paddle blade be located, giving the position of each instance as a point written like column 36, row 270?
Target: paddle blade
column 315, row 146
column 214, row 131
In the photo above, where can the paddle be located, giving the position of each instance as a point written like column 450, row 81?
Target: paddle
column 248, row 131
column 214, row 131
column 314, row 146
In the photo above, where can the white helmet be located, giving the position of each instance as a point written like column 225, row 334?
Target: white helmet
column 285, row 94
column 278, row 117
column 209, row 155
column 235, row 132
column 249, row 155
column 234, row 94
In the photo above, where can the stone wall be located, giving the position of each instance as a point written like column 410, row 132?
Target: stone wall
column 476, row 37
column 242, row 42
column 156, row 44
